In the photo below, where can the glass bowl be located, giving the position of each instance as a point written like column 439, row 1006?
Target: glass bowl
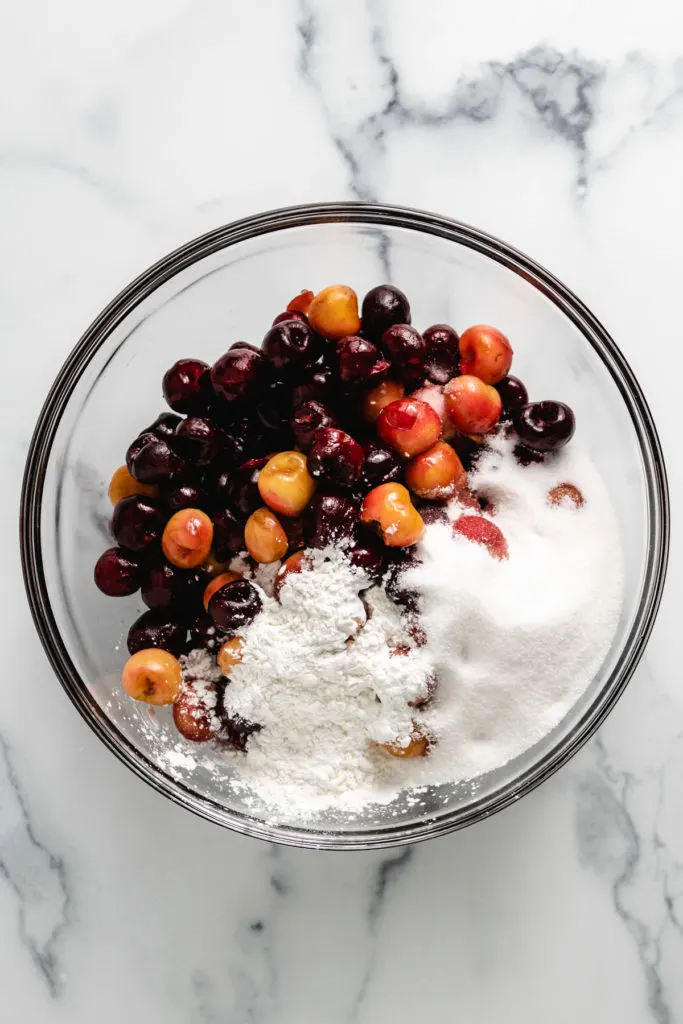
column 225, row 286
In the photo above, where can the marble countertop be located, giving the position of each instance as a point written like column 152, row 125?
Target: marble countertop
column 125, row 132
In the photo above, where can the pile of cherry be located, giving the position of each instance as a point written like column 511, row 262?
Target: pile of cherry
column 340, row 429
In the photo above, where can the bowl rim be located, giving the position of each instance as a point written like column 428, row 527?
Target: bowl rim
column 381, row 215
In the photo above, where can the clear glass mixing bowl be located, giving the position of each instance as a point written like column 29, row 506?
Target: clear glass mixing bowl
column 226, row 286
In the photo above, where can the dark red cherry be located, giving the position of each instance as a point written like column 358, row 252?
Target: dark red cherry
column 513, row 395
column 545, row 426
column 407, row 351
column 237, row 731
column 156, row 462
column 368, row 556
column 396, row 588
column 382, row 307
column 442, row 355
column 203, row 633
column 308, row 419
column 166, row 586
column 117, row 573
column 244, row 344
column 157, row 629
column 186, row 496
column 381, row 466
column 137, row 445
column 290, row 314
column 186, row 386
column 275, row 405
column 235, row 605
column 164, row 425
column 361, row 364
column 199, row 440
column 290, row 343
column 239, row 374
column 328, row 519
column 432, row 512
column 228, row 534
column 243, row 493
column 137, row 523
column 335, row 457
column 315, row 383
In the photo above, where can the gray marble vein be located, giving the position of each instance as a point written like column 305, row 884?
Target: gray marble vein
column 561, row 88
column 557, row 127
column 36, row 875
column 618, row 816
column 389, row 869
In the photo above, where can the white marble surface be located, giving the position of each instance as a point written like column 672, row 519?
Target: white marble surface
column 126, row 130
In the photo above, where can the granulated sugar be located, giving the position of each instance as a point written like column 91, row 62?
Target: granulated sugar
column 513, row 644
column 516, row 642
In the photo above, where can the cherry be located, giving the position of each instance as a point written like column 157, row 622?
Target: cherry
column 381, row 465
column 185, row 386
column 157, row 629
column 218, row 487
column 329, row 519
column 243, row 493
column 468, row 450
column 186, row 496
column 136, row 447
column 335, row 457
column 288, row 315
column 545, row 426
column 117, row 574
column 192, row 717
column 409, row 426
column 228, row 534
column 203, row 633
column 473, row 406
column 395, row 587
column 383, row 307
column 443, row 353
column 388, row 510
column 234, row 441
column 513, row 395
column 164, row 425
column 527, row 456
column 407, row 350
column 238, row 730
column 307, row 419
column 235, row 605
column 156, row 462
column 316, row 382
column 360, row 362
column 137, row 523
column 294, row 532
column 244, row 344
column 290, row 343
column 274, row 407
column 164, row 585
column 368, row 556
column 199, row 440
column 262, row 442
column 301, row 303
column 433, row 512
column 238, row 375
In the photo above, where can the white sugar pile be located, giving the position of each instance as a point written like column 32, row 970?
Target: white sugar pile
column 516, row 642
column 512, row 643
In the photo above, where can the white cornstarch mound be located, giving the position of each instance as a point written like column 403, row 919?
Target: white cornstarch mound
column 512, row 644
column 319, row 675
